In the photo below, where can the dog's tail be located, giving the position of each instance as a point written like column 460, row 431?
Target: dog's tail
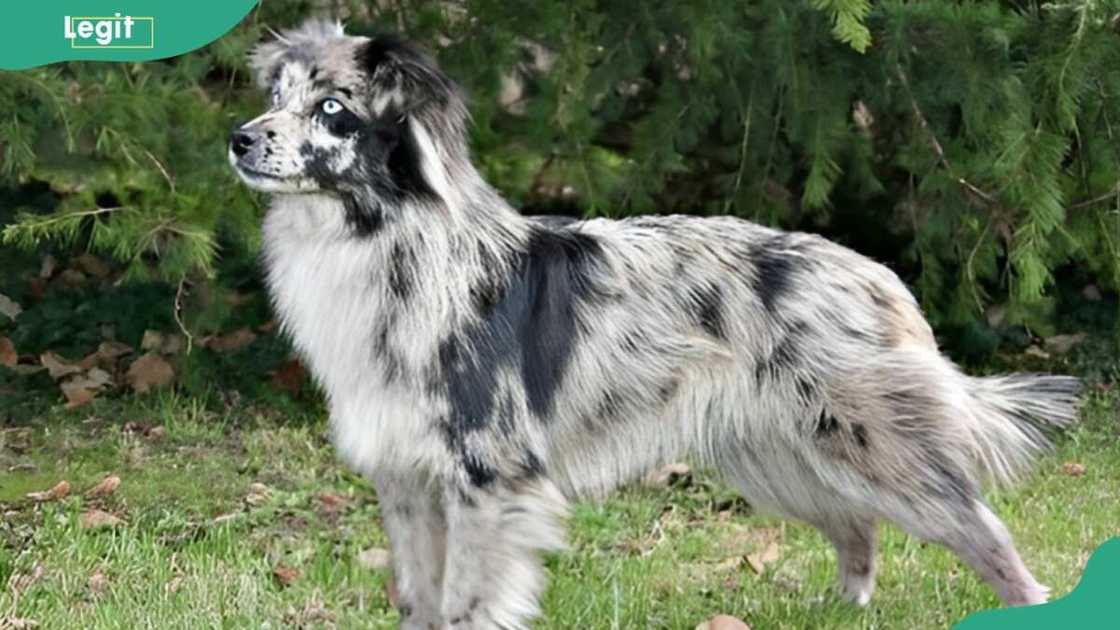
column 1012, row 416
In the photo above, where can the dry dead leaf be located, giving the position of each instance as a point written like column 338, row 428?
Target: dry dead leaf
column 1035, row 351
column 8, row 355
column 1073, row 469
column 670, row 474
column 20, row 582
column 315, row 612
column 285, row 574
column 105, row 487
column 110, row 351
column 77, row 394
column 59, row 491
column 58, row 367
column 156, row 433
column 757, row 561
column 93, row 265
column 268, row 326
column 375, row 558
column 723, row 622
column 148, row 371
column 289, row 376
column 258, row 493
column 72, row 278
column 9, row 307
column 391, row 593
column 230, row 342
column 48, row 267
column 331, row 503
column 1092, row 293
column 174, row 584
column 17, row 623
column 97, row 582
column 94, row 519
column 1061, row 344
column 161, row 343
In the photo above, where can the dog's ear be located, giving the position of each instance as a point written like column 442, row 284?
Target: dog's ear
column 266, row 58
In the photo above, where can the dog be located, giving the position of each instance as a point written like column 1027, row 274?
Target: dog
column 484, row 368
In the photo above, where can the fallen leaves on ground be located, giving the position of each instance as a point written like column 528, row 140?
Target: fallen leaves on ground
column 375, row 558
column 230, row 342
column 148, row 371
column 20, row 582
column 258, row 493
column 158, row 342
column 8, row 355
column 105, row 487
column 331, row 503
column 723, row 622
column 391, row 593
column 93, row 266
column 59, row 367
column 97, row 582
column 9, row 307
column 758, row 560
column 145, row 429
column 1073, row 469
column 289, row 376
column 96, row 519
column 59, row 491
column 670, row 475
column 285, row 574
column 1061, row 344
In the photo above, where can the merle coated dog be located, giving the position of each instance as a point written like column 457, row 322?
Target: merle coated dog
column 484, row 368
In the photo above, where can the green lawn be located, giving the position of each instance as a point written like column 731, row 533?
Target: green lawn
column 200, row 543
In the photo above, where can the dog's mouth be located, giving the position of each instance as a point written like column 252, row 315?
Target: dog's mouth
column 269, row 182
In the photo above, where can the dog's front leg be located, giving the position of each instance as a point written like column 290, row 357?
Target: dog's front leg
column 495, row 533
column 414, row 519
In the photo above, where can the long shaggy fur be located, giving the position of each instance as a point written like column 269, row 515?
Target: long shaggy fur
column 483, row 367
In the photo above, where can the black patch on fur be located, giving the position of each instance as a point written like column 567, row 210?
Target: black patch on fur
column 402, row 261
column 380, row 49
column 531, row 328
column 785, row 356
column 859, row 432
column 389, row 359
column 404, row 164
column 365, row 219
column 827, row 424
column 773, row 271
column 805, row 388
column 708, row 302
column 344, row 123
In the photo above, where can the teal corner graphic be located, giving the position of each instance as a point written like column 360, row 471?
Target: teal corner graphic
column 115, row 30
column 1091, row 605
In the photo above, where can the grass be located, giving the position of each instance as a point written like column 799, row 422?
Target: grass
column 200, row 544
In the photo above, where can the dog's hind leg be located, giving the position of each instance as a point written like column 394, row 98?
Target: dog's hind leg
column 855, row 539
column 982, row 541
column 493, row 575
column 413, row 517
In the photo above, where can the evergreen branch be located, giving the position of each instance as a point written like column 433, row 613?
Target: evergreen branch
column 44, row 225
column 742, row 153
column 942, row 159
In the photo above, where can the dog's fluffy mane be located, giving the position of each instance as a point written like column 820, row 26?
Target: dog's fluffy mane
column 483, row 367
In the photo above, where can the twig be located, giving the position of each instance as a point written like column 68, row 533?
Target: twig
column 179, row 314
column 937, row 148
column 159, row 165
column 1095, row 200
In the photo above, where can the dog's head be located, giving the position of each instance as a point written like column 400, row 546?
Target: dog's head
column 348, row 114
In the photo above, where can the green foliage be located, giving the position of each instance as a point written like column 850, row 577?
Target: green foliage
column 968, row 144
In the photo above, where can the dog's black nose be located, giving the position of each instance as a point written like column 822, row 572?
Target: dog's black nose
column 241, row 141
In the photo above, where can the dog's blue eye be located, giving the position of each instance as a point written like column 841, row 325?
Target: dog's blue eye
column 330, row 106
